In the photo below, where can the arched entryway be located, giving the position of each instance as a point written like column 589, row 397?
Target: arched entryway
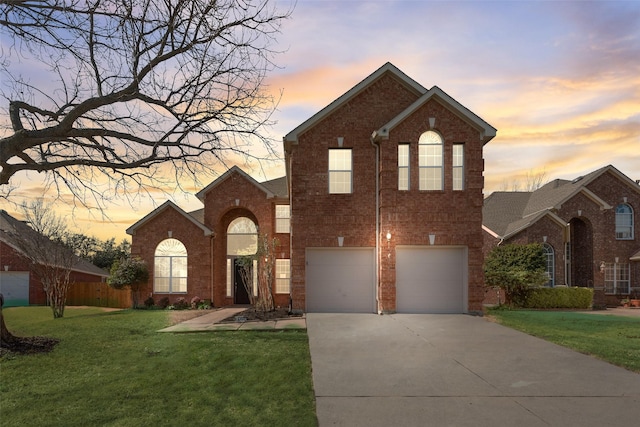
column 242, row 241
column 581, row 253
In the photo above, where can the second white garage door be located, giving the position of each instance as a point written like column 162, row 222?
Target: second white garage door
column 340, row 280
column 431, row 280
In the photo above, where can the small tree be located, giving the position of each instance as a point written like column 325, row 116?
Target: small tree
column 265, row 262
column 129, row 273
column 42, row 244
column 515, row 269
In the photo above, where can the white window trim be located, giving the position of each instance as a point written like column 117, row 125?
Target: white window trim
column 612, row 275
column 630, row 216
column 349, row 171
column 424, row 142
column 460, row 167
column 283, row 223
column 406, row 167
column 285, row 269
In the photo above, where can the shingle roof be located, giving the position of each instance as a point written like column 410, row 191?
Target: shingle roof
column 505, row 213
column 11, row 227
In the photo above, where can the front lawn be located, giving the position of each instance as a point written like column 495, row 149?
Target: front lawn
column 114, row 369
column 615, row 339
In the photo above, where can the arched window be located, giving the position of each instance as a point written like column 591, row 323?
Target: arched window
column 242, row 237
column 624, row 222
column 430, row 161
column 170, row 267
column 551, row 264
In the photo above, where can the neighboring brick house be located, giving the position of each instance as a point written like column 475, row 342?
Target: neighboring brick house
column 18, row 284
column 383, row 193
column 587, row 228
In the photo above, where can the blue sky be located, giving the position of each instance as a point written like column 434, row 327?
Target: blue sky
column 559, row 80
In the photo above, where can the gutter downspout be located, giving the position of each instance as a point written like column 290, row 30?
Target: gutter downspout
column 374, row 136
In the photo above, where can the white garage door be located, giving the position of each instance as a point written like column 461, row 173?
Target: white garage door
column 340, row 280
column 14, row 286
column 431, row 280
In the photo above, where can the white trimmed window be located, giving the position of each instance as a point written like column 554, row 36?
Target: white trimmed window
column 624, row 222
column 283, row 218
column 430, row 163
column 458, row 167
column 550, row 269
column 403, row 167
column 616, row 278
column 340, row 171
column 283, row 276
column 242, row 237
column 170, row 267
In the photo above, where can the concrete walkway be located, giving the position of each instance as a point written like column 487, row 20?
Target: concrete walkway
column 458, row 370
column 211, row 322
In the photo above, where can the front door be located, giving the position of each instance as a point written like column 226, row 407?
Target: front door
column 240, row 295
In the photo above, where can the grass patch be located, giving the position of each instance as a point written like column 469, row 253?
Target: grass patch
column 114, row 369
column 615, row 339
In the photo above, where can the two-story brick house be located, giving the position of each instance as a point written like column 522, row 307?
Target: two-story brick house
column 586, row 227
column 380, row 210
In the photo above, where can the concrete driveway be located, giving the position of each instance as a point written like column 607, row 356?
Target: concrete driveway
column 458, row 370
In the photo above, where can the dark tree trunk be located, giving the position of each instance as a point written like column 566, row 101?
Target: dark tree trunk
column 6, row 337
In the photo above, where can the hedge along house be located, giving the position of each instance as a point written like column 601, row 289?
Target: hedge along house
column 586, row 226
column 382, row 198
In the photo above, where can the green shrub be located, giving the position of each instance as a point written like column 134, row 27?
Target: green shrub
column 560, row 297
column 515, row 269
column 164, row 302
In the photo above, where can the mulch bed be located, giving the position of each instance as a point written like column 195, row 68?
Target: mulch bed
column 27, row 345
column 251, row 314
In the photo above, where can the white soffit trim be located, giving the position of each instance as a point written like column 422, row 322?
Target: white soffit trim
column 487, row 132
column 292, row 137
column 200, row 194
column 490, row 232
column 168, row 204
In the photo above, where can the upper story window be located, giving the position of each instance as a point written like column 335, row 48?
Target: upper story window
column 170, row 267
column 283, row 218
column 340, row 171
column 624, row 222
column 242, row 237
column 403, row 167
column 458, row 167
column 430, row 161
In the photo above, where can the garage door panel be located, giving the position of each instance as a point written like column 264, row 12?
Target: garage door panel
column 14, row 286
column 430, row 280
column 340, row 280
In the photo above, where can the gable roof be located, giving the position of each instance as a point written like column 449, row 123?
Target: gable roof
column 273, row 188
column 487, row 132
column 11, row 227
column 506, row 213
column 292, row 137
column 170, row 205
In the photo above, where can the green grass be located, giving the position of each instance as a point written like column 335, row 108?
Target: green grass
column 615, row 339
column 114, row 369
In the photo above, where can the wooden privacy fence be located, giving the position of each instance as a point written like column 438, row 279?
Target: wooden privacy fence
column 98, row 294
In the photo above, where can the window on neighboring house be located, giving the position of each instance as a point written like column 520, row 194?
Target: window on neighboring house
column 616, row 278
column 550, row 269
column 170, row 267
column 283, row 217
column 403, row 167
column 430, row 161
column 340, row 171
column 624, row 222
column 283, row 276
column 458, row 167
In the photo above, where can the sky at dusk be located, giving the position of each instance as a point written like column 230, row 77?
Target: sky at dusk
column 559, row 80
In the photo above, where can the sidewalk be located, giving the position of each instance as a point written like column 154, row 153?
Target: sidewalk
column 211, row 322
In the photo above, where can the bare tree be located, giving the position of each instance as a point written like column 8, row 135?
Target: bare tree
column 41, row 244
column 133, row 85
column 264, row 260
column 533, row 181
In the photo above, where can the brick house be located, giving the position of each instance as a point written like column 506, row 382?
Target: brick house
column 18, row 284
column 585, row 225
column 380, row 210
